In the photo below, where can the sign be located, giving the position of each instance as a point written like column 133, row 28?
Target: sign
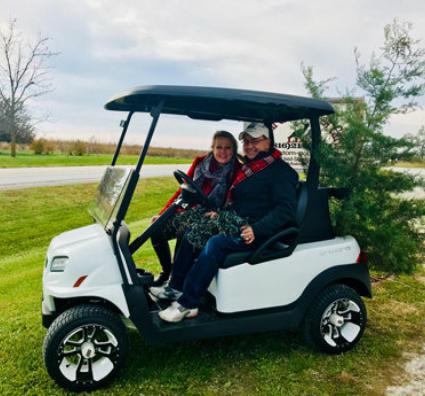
column 289, row 138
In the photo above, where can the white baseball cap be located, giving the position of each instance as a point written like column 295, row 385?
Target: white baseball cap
column 255, row 130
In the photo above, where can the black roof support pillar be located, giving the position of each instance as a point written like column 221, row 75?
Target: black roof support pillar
column 314, row 167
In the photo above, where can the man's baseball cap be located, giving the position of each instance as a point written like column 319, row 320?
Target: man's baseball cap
column 255, row 130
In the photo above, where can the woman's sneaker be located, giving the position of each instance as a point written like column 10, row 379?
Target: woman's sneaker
column 161, row 279
column 165, row 292
column 176, row 313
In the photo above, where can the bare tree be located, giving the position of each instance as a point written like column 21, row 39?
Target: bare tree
column 24, row 75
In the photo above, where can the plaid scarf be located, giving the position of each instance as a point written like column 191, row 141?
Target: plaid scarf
column 219, row 176
column 249, row 169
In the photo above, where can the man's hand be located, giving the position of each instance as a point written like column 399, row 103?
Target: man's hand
column 247, row 234
column 211, row 215
column 154, row 218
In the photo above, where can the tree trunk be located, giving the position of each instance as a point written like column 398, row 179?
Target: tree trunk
column 13, row 142
column 12, row 130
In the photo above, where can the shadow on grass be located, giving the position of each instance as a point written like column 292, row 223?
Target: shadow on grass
column 208, row 363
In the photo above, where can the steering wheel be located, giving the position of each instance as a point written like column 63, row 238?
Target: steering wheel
column 200, row 196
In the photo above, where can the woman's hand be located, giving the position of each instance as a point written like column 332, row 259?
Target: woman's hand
column 247, row 234
column 154, row 218
column 211, row 215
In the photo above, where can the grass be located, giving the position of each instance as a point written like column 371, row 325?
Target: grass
column 403, row 164
column 27, row 159
column 277, row 363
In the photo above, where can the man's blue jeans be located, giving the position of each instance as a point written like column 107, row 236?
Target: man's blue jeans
column 193, row 276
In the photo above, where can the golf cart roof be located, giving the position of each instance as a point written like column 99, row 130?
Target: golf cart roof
column 219, row 103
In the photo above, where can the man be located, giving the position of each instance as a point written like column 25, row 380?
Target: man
column 263, row 193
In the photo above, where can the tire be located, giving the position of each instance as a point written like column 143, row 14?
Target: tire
column 336, row 320
column 85, row 347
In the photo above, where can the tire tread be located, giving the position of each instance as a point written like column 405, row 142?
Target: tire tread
column 74, row 317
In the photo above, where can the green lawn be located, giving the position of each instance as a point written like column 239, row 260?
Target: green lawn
column 277, row 363
column 27, row 159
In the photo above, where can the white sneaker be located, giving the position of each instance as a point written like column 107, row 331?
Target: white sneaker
column 176, row 313
column 165, row 292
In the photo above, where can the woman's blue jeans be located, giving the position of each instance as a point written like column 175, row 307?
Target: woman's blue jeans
column 193, row 275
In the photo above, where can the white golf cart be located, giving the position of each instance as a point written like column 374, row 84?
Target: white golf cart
column 92, row 289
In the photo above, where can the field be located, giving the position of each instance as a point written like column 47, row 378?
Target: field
column 27, row 159
column 277, row 363
column 80, row 153
column 413, row 164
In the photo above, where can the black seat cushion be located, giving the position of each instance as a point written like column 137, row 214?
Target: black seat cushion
column 278, row 250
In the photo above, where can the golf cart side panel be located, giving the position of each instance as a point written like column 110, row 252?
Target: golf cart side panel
column 209, row 324
column 279, row 282
column 90, row 255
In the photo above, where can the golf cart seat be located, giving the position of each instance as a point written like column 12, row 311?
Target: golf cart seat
column 280, row 245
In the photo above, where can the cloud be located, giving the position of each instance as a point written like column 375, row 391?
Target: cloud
column 108, row 46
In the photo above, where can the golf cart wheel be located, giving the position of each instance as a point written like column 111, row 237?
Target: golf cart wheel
column 336, row 320
column 85, row 347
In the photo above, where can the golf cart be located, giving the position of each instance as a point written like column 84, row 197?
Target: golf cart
column 92, row 289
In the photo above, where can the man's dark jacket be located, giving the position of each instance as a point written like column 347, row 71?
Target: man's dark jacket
column 268, row 199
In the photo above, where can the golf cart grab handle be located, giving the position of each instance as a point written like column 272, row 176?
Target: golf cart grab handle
column 139, row 241
column 256, row 257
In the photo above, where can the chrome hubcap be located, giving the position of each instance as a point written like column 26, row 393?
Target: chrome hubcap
column 87, row 350
column 87, row 354
column 336, row 320
column 341, row 322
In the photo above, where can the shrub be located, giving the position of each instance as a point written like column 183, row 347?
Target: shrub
column 78, row 147
column 375, row 213
column 38, row 146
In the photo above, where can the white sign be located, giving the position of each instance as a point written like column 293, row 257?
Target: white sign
column 290, row 143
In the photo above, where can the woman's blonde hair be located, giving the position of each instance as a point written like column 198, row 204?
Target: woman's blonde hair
column 227, row 135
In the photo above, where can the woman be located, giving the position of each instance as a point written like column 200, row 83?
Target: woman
column 214, row 173
column 264, row 193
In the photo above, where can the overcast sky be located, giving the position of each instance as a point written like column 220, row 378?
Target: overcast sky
column 107, row 46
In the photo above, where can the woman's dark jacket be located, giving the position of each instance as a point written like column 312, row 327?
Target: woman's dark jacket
column 268, row 199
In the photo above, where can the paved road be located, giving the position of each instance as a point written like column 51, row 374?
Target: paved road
column 412, row 171
column 16, row 178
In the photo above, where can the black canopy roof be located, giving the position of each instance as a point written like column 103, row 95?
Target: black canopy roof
column 219, row 103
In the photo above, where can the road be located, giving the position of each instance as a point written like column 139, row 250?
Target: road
column 16, row 178
column 417, row 192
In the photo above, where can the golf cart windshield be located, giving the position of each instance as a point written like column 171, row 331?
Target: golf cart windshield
column 109, row 194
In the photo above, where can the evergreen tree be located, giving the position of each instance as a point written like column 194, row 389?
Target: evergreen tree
column 383, row 222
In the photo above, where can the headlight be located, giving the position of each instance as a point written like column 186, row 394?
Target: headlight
column 59, row 264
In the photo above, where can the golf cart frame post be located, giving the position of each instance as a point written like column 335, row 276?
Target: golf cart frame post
column 130, row 277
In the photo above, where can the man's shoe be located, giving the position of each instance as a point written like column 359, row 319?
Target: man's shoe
column 161, row 279
column 165, row 292
column 176, row 313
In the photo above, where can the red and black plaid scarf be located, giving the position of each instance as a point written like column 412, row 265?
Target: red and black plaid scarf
column 249, row 169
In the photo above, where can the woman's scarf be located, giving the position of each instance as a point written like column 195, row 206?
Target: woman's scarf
column 250, row 168
column 219, row 178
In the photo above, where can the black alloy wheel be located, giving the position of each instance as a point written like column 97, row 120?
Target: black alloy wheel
column 85, row 347
column 336, row 320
